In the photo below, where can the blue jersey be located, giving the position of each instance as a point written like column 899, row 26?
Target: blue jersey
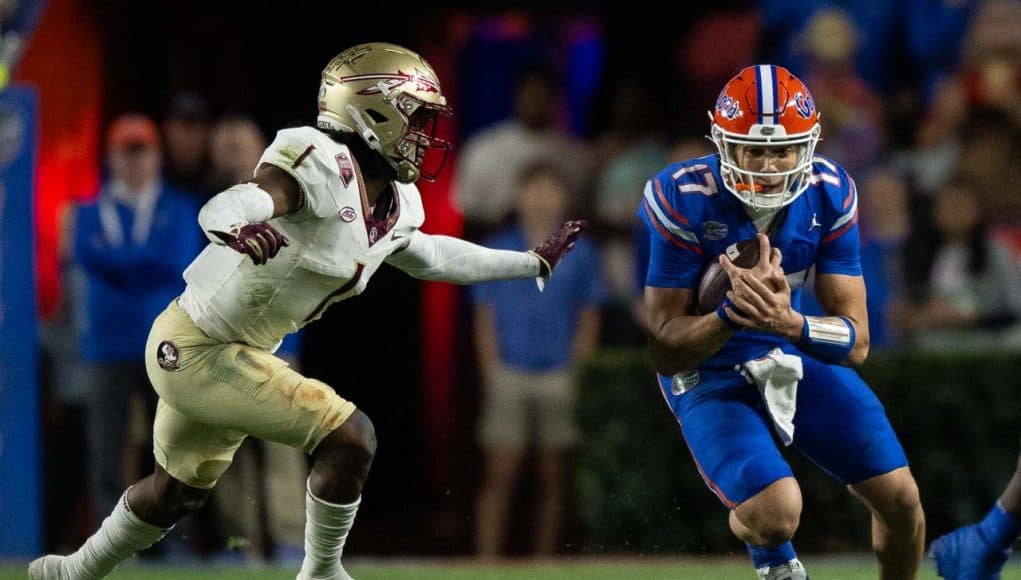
column 692, row 219
column 839, row 422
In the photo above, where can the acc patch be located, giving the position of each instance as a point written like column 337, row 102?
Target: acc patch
column 684, row 381
column 168, row 356
column 346, row 168
column 714, row 230
column 348, row 214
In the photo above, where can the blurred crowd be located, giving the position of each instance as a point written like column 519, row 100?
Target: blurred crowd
column 940, row 221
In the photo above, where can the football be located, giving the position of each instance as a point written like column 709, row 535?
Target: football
column 715, row 282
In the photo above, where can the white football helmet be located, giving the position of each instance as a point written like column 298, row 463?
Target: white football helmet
column 391, row 97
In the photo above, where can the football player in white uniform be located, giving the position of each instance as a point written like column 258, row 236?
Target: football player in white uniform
column 326, row 207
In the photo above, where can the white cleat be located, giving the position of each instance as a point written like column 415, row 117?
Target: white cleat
column 793, row 570
column 47, row 568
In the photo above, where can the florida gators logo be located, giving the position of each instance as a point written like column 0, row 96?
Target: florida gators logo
column 804, row 104
column 728, row 107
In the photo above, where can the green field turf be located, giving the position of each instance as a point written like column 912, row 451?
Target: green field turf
column 819, row 568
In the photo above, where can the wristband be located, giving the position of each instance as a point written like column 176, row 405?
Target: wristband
column 722, row 313
column 828, row 338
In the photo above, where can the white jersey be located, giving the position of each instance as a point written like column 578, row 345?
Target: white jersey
column 335, row 247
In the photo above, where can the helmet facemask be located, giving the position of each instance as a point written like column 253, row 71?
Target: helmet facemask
column 747, row 185
column 765, row 106
column 414, row 146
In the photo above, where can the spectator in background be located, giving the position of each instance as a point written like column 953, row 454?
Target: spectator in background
column 972, row 279
column 885, row 225
column 922, row 37
column 492, row 159
column 704, row 66
column 527, row 346
column 625, row 154
column 991, row 67
column 854, row 129
column 268, row 478
column 988, row 158
column 132, row 244
column 235, row 145
column 929, row 164
column 186, row 135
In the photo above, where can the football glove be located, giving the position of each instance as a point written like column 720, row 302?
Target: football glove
column 259, row 241
column 556, row 246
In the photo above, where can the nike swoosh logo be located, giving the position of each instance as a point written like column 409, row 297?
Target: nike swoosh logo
column 396, row 237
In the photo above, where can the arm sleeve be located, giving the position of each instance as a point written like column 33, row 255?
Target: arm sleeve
column 840, row 250
column 675, row 255
column 453, row 260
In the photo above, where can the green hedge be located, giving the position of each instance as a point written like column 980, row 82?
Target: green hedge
column 958, row 417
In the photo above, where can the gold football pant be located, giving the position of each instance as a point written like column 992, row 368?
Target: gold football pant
column 214, row 394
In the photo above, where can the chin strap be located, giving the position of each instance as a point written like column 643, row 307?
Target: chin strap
column 366, row 132
column 370, row 137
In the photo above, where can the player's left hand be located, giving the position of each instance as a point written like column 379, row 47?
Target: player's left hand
column 764, row 302
column 555, row 247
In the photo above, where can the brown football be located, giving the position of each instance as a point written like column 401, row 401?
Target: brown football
column 715, row 282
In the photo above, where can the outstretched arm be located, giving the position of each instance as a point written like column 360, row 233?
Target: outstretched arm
column 453, row 260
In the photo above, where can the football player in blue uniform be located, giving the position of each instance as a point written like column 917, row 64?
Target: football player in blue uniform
column 979, row 551
column 755, row 368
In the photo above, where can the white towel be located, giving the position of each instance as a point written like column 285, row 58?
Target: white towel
column 777, row 375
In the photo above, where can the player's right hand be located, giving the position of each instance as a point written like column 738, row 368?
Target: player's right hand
column 259, row 241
